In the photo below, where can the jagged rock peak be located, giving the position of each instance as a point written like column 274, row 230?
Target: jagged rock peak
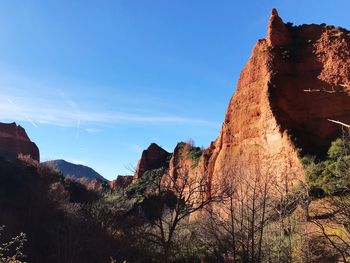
column 152, row 158
column 13, row 130
column 274, row 12
column 154, row 146
column 277, row 32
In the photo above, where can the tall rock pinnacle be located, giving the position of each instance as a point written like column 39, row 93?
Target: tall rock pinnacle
column 277, row 32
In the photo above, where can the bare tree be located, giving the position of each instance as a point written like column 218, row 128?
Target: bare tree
column 334, row 225
column 255, row 223
column 333, row 217
column 238, row 223
column 178, row 199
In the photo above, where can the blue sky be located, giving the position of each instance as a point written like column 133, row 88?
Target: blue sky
column 95, row 82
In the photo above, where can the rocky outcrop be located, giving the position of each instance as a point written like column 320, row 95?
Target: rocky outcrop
column 296, row 80
column 184, row 160
column 152, row 158
column 122, row 181
column 310, row 85
column 277, row 31
column 95, row 184
column 15, row 141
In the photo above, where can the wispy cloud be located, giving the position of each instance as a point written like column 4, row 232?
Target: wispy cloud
column 20, row 112
column 44, row 111
column 74, row 107
column 92, row 130
column 78, row 129
column 39, row 102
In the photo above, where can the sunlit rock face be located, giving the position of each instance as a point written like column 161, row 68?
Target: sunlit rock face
column 296, row 80
column 15, row 141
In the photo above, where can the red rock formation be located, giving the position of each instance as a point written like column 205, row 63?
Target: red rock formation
column 96, row 184
column 311, row 84
column 277, row 32
column 14, row 141
column 122, row 181
column 185, row 160
column 152, row 158
column 295, row 80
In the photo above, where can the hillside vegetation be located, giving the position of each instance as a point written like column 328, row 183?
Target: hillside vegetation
column 55, row 219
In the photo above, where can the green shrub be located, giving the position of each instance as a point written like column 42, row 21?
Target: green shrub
column 188, row 151
column 195, row 154
column 332, row 174
column 336, row 149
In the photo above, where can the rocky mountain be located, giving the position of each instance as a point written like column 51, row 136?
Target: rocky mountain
column 76, row 171
column 292, row 90
column 14, row 141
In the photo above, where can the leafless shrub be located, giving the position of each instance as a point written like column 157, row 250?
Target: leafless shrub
column 12, row 250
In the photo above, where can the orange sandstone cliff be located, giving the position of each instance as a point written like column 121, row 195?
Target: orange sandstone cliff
column 295, row 82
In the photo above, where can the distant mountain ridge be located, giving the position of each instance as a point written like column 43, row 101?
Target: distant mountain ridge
column 76, row 171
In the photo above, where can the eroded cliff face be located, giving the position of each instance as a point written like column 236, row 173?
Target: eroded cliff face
column 251, row 137
column 14, row 141
column 296, row 80
column 310, row 85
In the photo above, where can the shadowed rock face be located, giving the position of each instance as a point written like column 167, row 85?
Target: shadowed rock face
column 295, row 80
column 122, row 181
column 152, row 158
column 311, row 84
column 14, row 141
